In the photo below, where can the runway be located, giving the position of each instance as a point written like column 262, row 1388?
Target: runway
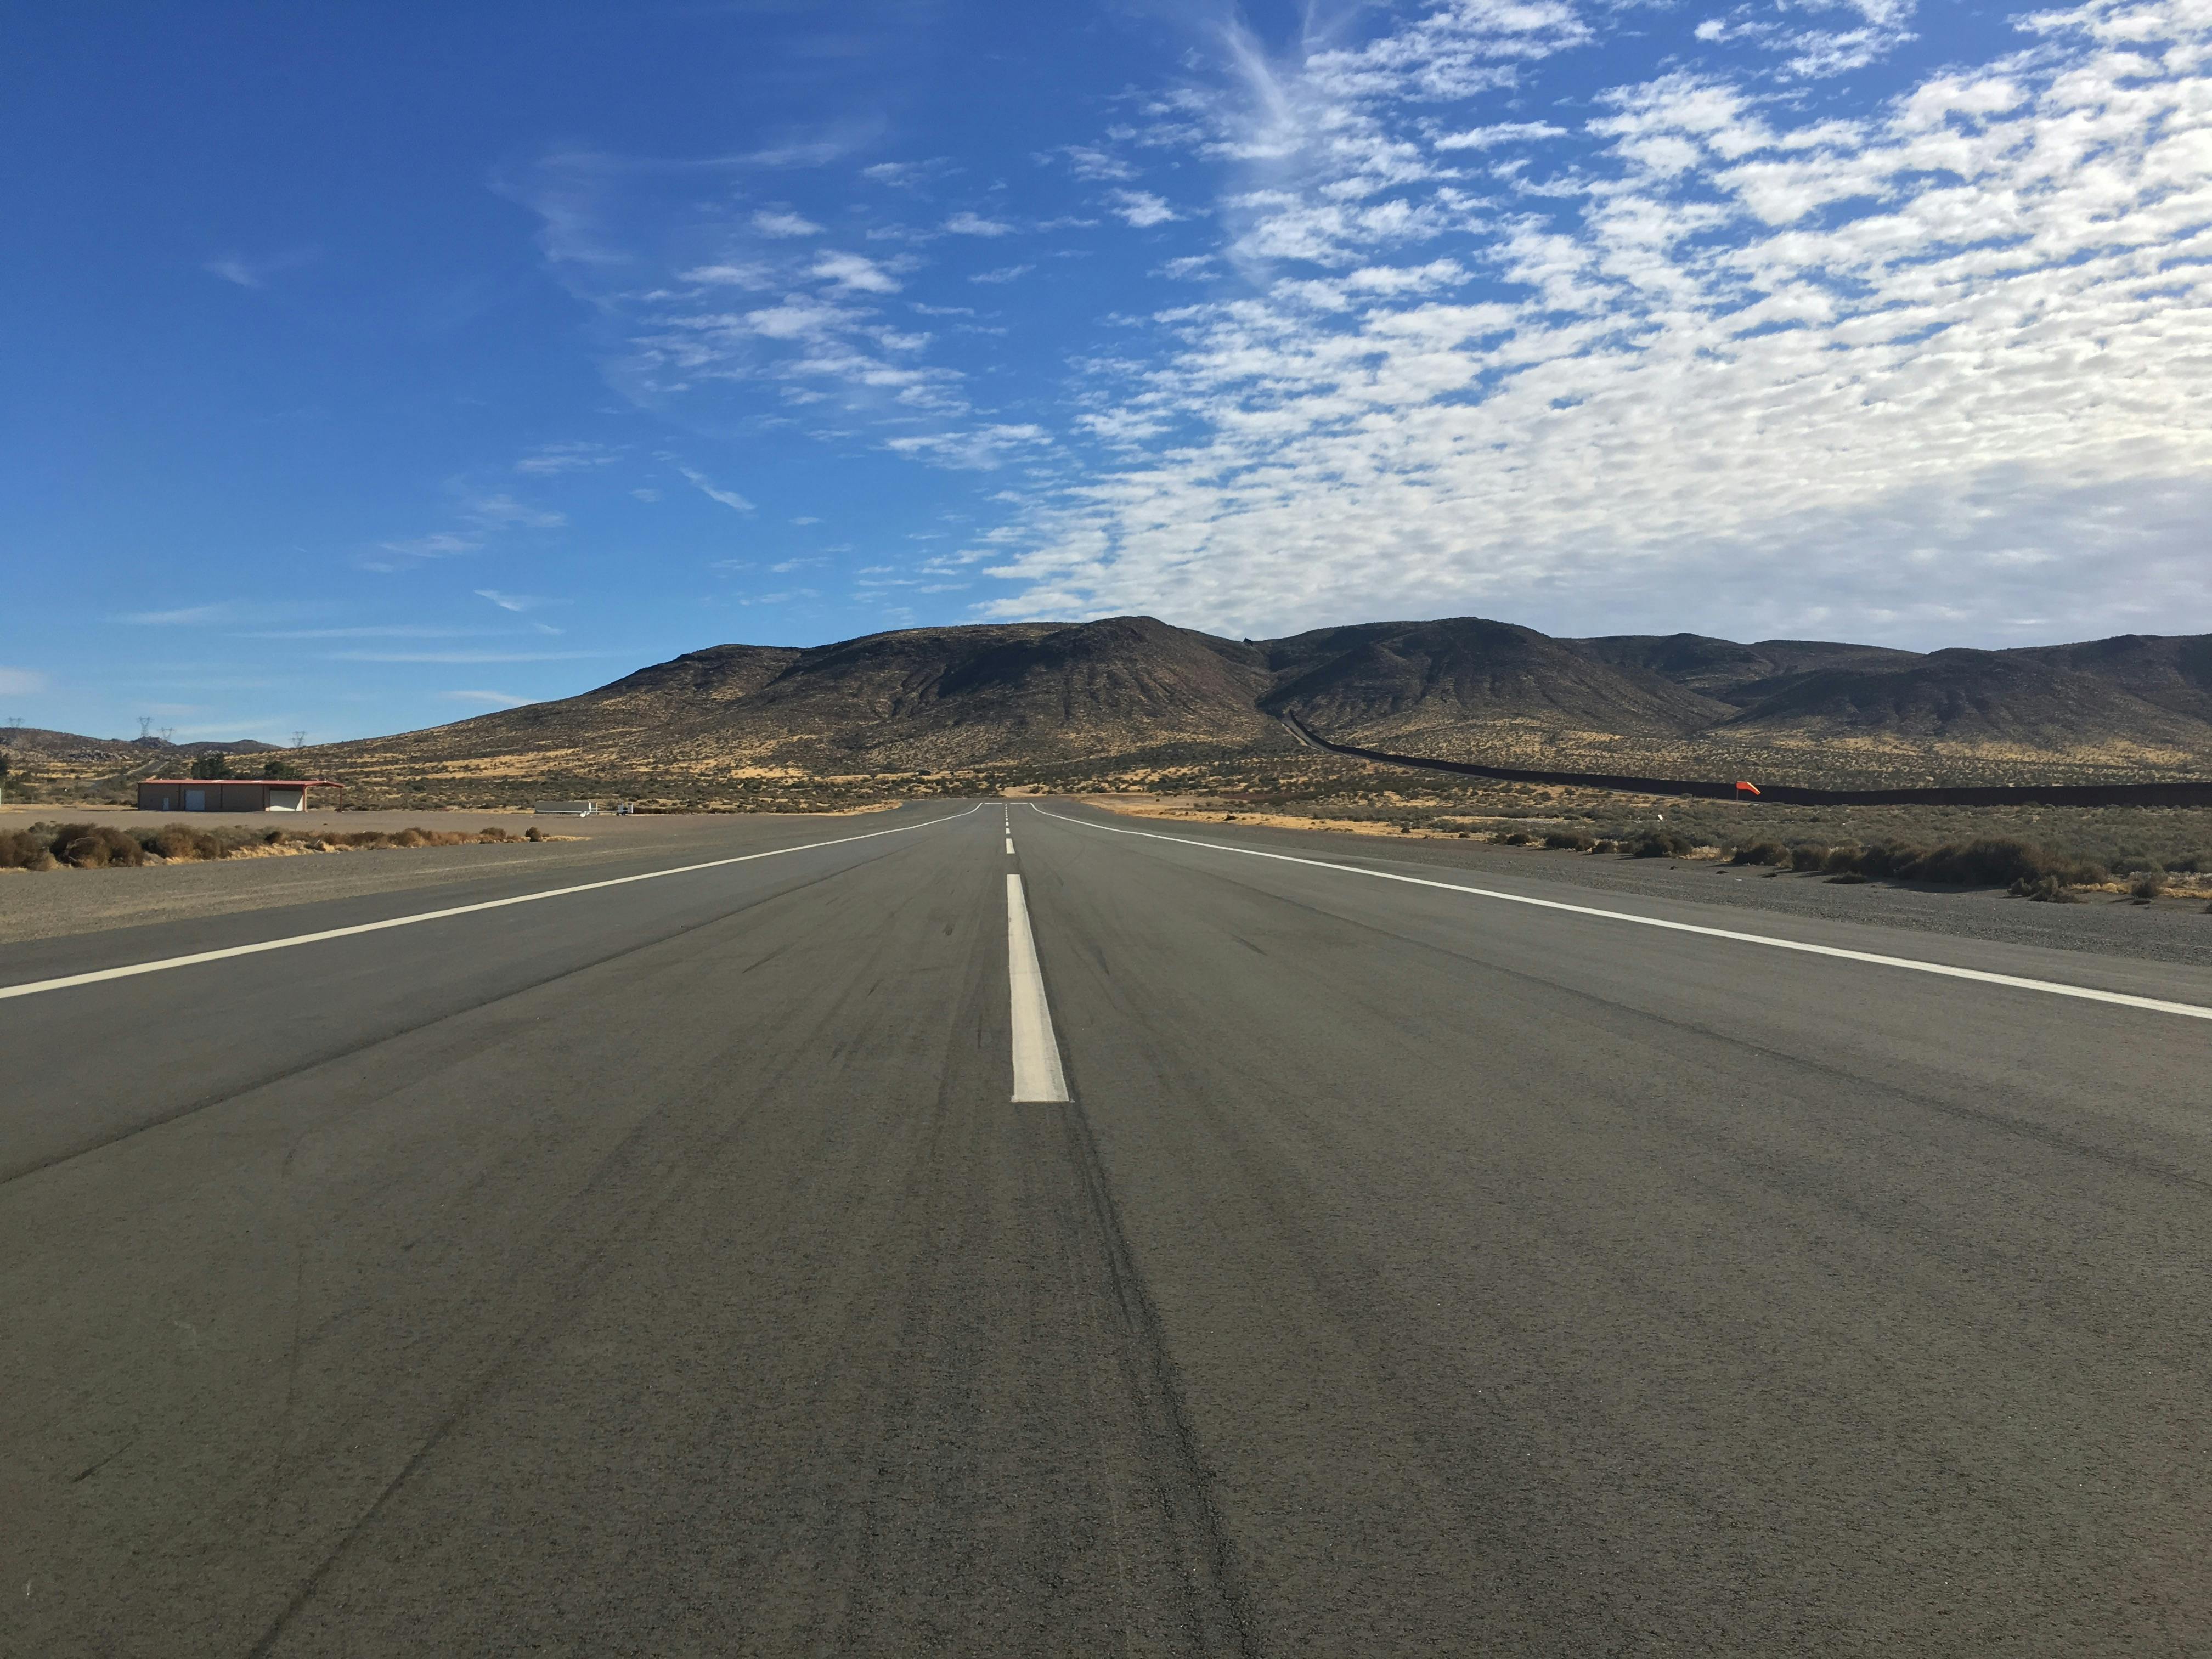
column 756, row 1253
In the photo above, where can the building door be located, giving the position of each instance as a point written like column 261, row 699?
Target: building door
column 196, row 800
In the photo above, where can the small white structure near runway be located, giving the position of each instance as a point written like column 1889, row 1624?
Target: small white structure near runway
column 567, row 809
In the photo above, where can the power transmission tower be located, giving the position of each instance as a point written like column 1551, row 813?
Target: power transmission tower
column 169, row 735
column 145, row 727
column 299, row 740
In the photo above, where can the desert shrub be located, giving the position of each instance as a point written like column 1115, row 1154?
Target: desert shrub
column 1572, row 839
column 1660, row 844
column 1515, row 838
column 1809, row 858
column 1989, row 862
column 179, row 841
column 494, row 834
column 1994, row 862
column 2044, row 890
column 18, row 849
column 1891, row 858
column 534, row 833
column 1605, row 844
column 2148, row 884
column 410, row 838
column 95, row 847
column 1760, row 851
column 1848, row 878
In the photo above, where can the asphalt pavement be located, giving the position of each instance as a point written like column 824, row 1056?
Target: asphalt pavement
column 664, row 1265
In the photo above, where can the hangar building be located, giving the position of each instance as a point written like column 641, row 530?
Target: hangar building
column 228, row 794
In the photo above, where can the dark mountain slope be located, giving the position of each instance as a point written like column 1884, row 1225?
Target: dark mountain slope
column 1388, row 678
column 1739, row 674
column 2170, row 671
column 1131, row 691
column 1018, row 692
column 38, row 740
column 915, row 700
column 1970, row 697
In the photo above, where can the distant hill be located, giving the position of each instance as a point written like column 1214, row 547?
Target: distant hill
column 1382, row 679
column 1131, row 692
column 35, row 739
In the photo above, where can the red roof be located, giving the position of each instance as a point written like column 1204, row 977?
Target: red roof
column 273, row 783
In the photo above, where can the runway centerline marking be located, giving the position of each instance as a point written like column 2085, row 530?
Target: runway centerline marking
column 1037, row 1076
column 2047, row 987
column 32, row 987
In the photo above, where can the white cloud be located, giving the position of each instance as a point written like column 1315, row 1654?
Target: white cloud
column 517, row 602
column 1507, row 132
column 574, row 457
column 852, row 273
column 783, row 225
column 393, row 631
column 439, row 544
column 256, row 273
column 729, row 275
column 468, row 656
column 503, row 511
column 982, row 450
column 23, row 681
column 190, row 616
column 1003, row 274
column 705, row 486
column 1188, row 268
column 1141, row 209
column 1090, row 162
column 975, row 224
column 1924, row 370
column 485, row 518
column 490, row 698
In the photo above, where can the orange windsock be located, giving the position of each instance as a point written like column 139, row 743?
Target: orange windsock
column 1743, row 788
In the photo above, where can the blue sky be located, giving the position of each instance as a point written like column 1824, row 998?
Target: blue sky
column 374, row 366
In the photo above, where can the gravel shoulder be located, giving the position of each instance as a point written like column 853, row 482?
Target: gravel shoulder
column 58, row 904
column 64, row 902
column 2175, row 930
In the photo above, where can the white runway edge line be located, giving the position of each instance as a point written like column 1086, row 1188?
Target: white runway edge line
column 1037, row 1076
column 2049, row 988
column 34, row 987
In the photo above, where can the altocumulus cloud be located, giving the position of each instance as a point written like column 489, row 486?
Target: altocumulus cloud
column 1937, row 370
column 1446, row 316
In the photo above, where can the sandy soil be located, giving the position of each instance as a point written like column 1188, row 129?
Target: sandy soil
column 52, row 904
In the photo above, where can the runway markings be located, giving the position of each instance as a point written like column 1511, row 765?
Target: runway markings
column 1010, row 846
column 2049, row 988
column 1037, row 1076
column 34, row 987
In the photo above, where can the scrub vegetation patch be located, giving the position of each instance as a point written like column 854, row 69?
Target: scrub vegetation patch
column 42, row 847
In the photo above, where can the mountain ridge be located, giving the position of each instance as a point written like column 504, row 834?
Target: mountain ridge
column 1120, row 694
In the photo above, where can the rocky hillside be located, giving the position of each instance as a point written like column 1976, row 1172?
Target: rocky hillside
column 1002, row 700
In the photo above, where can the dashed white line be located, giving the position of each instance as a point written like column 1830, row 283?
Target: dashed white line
column 34, row 987
column 1037, row 1075
column 2049, row 988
